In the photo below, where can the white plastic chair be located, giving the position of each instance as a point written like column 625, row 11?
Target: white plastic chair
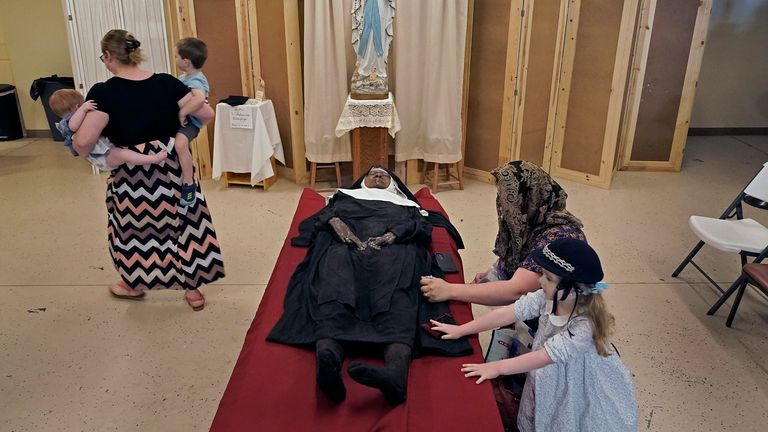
column 732, row 233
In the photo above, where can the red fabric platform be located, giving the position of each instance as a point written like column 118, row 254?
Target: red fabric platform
column 273, row 388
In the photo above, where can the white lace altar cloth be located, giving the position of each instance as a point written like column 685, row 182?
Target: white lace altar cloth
column 368, row 113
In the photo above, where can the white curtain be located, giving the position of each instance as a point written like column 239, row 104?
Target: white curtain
column 328, row 61
column 145, row 19
column 91, row 19
column 429, row 70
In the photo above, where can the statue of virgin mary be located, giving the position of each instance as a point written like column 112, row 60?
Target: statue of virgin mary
column 372, row 33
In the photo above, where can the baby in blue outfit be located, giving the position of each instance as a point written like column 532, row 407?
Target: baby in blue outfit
column 190, row 56
column 70, row 105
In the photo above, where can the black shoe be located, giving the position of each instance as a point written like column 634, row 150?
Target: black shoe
column 329, row 379
column 391, row 383
column 188, row 194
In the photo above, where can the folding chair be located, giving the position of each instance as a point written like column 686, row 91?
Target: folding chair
column 732, row 233
column 754, row 274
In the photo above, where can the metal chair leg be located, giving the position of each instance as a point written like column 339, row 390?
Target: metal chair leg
column 723, row 298
column 688, row 259
column 736, row 302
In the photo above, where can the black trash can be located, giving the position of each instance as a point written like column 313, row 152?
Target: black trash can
column 44, row 88
column 10, row 120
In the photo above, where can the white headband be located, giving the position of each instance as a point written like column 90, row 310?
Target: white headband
column 557, row 260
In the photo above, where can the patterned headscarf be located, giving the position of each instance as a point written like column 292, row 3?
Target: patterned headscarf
column 528, row 202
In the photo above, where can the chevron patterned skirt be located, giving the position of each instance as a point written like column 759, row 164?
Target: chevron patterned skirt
column 155, row 243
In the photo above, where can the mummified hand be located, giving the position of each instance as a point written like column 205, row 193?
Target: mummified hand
column 345, row 233
column 382, row 240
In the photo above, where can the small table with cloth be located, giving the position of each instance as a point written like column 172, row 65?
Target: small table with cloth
column 246, row 138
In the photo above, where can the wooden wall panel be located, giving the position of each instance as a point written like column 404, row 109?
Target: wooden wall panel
column 665, row 71
column 537, row 86
column 590, row 87
column 486, row 83
column 216, row 24
column 274, row 66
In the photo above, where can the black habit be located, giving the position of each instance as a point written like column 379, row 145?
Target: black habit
column 368, row 296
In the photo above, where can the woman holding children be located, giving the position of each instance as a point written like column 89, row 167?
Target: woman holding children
column 154, row 242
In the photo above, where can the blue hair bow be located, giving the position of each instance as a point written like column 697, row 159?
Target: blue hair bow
column 600, row 287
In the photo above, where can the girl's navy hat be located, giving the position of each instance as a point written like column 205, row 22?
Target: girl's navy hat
column 570, row 259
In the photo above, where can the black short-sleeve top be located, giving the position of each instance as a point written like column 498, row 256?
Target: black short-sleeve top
column 139, row 111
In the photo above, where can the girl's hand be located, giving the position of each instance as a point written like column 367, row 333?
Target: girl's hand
column 451, row 331
column 485, row 371
column 435, row 289
column 88, row 105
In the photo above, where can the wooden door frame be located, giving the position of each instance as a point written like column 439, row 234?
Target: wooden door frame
column 693, row 67
column 295, row 89
column 518, row 44
column 248, row 43
column 554, row 94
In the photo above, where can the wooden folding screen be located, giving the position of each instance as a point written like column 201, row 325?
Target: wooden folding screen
column 563, row 85
column 538, row 82
column 495, row 22
column 669, row 48
column 597, row 43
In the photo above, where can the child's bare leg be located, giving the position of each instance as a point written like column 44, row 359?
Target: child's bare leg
column 185, row 158
column 118, row 156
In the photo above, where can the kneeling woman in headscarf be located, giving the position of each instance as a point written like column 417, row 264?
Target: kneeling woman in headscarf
column 359, row 286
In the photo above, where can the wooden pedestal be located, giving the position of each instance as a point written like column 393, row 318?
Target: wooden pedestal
column 369, row 147
column 245, row 178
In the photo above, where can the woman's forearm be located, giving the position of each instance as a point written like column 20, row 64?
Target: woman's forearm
column 496, row 293
column 205, row 114
column 194, row 103
column 89, row 132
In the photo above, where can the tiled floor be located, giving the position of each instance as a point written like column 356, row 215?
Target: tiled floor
column 92, row 363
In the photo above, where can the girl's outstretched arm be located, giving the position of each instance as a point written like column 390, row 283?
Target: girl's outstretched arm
column 493, row 319
column 520, row 364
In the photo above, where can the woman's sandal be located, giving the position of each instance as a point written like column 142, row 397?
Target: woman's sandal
column 121, row 291
column 196, row 304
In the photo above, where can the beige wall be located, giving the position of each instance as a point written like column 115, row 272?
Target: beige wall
column 34, row 35
column 6, row 74
column 733, row 85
